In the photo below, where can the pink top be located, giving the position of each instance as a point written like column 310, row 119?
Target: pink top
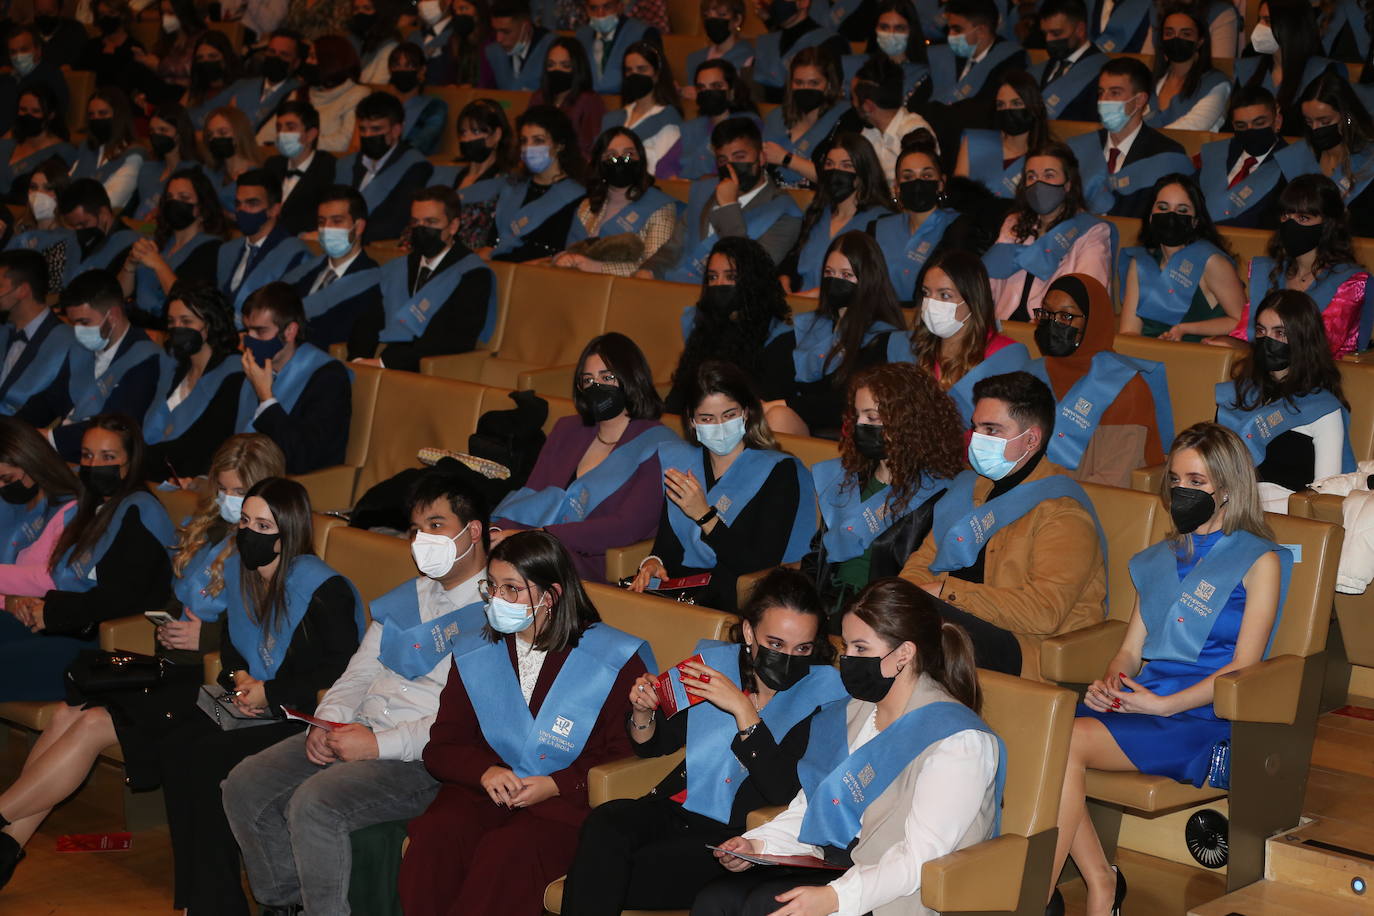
column 28, row 575
column 1091, row 254
column 1341, row 317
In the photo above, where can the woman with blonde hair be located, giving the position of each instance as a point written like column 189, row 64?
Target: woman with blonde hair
column 230, row 150
column 1157, row 717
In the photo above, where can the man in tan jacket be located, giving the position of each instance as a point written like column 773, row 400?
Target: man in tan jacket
column 1015, row 549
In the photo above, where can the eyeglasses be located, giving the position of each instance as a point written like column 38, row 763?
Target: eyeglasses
column 628, row 157
column 487, row 590
column 601, row 378
column 1065, row 318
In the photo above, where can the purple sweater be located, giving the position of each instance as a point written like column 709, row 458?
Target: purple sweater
column 628, row 515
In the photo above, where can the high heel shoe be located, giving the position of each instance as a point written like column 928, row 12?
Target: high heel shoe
column 11, row 854
column 1056, row 905
column 1120, row 891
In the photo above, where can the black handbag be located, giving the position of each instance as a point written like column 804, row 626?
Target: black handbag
column 96, row 671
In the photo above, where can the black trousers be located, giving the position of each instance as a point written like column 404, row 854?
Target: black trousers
column 993, row 647
column 643, row 853
column 754, row 892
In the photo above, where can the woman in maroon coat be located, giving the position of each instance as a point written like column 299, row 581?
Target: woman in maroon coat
column 537, row 698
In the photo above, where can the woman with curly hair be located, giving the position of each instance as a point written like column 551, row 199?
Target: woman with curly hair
column 196, row 403
column 902, row 441
column 742, row 318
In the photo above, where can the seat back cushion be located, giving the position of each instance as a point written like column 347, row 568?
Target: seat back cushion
column 672, row 629
column 1306, row 614
column 1128, row 518
column 1034, row 720
column 1194, row 369
column 375, row 563
column 415, row 411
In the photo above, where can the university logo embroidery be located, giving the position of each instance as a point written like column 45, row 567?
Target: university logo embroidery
column 562, row 726
column 1205, row 590
column 1275, row 418
column 988, row 520
column 631, row 218
column 1186, row 268
column 866, row 775
column 1052, row 100
column 723, row 504
column 451, row 632
column 1083, row 406
column 1246, row 191
column 519, row 225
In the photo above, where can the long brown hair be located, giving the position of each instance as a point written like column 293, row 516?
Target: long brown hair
column 899, row 612
column 874, row 300
column 792, row 590
column 970, row 277
column 287, row 500
column 92, row 514
column 22, row 446
column 1312, row 367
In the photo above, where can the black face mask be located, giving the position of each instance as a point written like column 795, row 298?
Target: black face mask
column 374, row 146
column 183, row 343
column 778, row 670
column 256, row 549
column 16, row 494
column 718, row 300
column 1273, row 355
column 748, row 174
column 475, row 150
column 560, row 81
column 310, row 74
column 862, row 676
column 1055, row 339
column 178, row 214
column 712, row 102
column 274, row 69
column 717, row 29
column 601, row 402
column 103, row 481
column 1173, row 229
column 1178, row 49
column 635, row 87
column 839, row 183
column 101, row 129
column 108, row 25
column 464, row 25
column 405, row 80
column 26, row 126
column 919, row 194
column 838, row 292
column 1298, row 239
column 206, row 72
column 88, row 238
column 1014, row 121
column 427, row 241
column 780, row 12
column 808, row 100
column 868, row 440
column 162, row 144
column 361, row 23
column 222, row 147
column 1058, row 48
column 621, row 173
column 1256, row 141
column 1190, row 509
column 47, row 23
column 1324, row 138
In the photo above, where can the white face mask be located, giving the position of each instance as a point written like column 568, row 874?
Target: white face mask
column 430, row 11
column 938, row 317
column 171, row 24
column 230, row 507
column 435, row 554
column 43, row 205
column 1262, row 40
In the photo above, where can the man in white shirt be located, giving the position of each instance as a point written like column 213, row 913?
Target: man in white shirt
column 293, row 806
column 1068, row 80
column 1252, row 181
column 338, row 285
column 878, row 100
column 385, row 169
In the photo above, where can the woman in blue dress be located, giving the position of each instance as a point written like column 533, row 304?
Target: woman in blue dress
column 38, row 133
column 1157, row 718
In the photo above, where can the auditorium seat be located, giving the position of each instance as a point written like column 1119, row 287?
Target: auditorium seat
column 677, row 46
column 80, row 85
column 1357, row 382
column 1023, row 332
column 332, row 488
column 457, row 98
column 375, row 563
column 1194, row 370
column 179, row 503
column 413, row 412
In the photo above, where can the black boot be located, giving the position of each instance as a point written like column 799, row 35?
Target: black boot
column 1120, row 892
column 11, row 854
column 1056, row 905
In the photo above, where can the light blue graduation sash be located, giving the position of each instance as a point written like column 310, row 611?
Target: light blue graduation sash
column 530, row 73
column 1042, row 256
column 246, row 96
column 148, row 291
column 985, row 163
column 606, row 78
column 192, row 587
column 353, row 283
column 40, row 240
column 1125, row 27
column 1181, row 104
column 932, row 16
column 1321, row 292
column 264, row 650
column 407, row 314
column 287, row 385
column 1102, row 190
column 414, row 108
column 515, row 218
column 88, row 392
column 1261, row 425
column 962, row 529
column 1081, row 409
column 539, row 746
column 413, row 647
column 906, row 251
column 42, row 370
column 384, row 183
column 86, row 158
column 770, row 64
column 1225, row 203
column 1347, row 13
column 1315, row 67
column 163, row 425
column 948, row 87
column 731, row 493
column 150, row 182
column 73, row 574
column 9, row 171
column 632, row 217
column 274, row 264
column 1179, row 614
column 1066, row 87
column 22, row 525
column 840, row 786
column 435, row 43
column 199, row 113
column 696, row 158
column 1166, row 295
column 852, row 524
column 817, row 341
column 1012, row 357
column 1297, row 156
column 646, row 128
column 757, row 221
column 117, row 242
column 479, row 192
column 559, row 506
column 714, row 773
column 811, row 258
column 775, row 130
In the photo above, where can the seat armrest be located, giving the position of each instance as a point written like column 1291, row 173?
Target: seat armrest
column 959, row 882
column 760, row 816
column 1147, row 479
column 1326, row 507
column 212, row 667
column 1264, row 692
column 129, row 634
column 466, row 367
column 624, row 561
column 1080, row 656
column 628, row 778
column 555, row 381
column 744, row 585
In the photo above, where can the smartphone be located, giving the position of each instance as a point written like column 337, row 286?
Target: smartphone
column 159, row 617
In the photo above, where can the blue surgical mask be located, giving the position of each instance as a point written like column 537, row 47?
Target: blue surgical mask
column 290, row 145
column 90, row 337
column 537, row 158
column 988, row 455
column 959, row 45
column 263, row 350
column 230, row 507
column 721, row 438
column 892, row 43
column 1112, row 114
column 605, row 24
column 23, row 64
column 336, row 242
column 507, row 616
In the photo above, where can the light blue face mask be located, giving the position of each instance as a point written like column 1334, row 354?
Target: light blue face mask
column 507, row 616
column 988, row 455
column 290, row 145
column 604, row 25
column 959, row 45
column 23, row 64
column 537, row 158
column 892, row 43
column 721, row 438
column 1113, row 115
column 336, row 242
column 90, row 337
column 230, row 507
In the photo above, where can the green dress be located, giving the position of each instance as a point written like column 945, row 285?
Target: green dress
column 1198, row 310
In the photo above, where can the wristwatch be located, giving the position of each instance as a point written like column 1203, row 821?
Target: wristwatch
column 787, row 161
column 744, row 733
column 710, row 514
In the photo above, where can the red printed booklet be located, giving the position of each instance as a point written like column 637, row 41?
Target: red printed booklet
column 95, row 842
column 672, row 696
column 793, row 861
column 309, row 719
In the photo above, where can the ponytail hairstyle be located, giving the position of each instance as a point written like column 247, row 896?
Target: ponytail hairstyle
column 792, row 590
column 899, row 611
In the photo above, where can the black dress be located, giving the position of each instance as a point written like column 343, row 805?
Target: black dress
column 820, row 404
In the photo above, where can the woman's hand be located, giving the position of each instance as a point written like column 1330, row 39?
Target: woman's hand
column 735, row 844
column 533, row 791
column 501, row 785
column 181, row 634
column 643, row 697
column 720, row 692
column 573, row 261
column 808, row 901
column 1136, row 698
column 773, row 153
column 1101, row 696
column 145, row 253
column 250, row 694
column 1174, row 333
column 648, row 570
column 23, row 608
column 686, row 492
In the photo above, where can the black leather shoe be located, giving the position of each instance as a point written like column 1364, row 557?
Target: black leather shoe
column 11, row 854
column 1056, row 905
column 1120, row 892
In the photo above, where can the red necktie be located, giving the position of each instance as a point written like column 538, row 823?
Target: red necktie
column 1244, row 173
column 1112, row 155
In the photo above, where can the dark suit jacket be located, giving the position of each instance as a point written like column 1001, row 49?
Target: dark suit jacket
column 453, row 329
column 1149, row 142
column 299, row 211
column 949, row 121
column 1083, row 107
column 314, row 434
column 391, row 218
column 65, row 44
column 1265, row 213
column 49, row 73
column 728, row 221
column 335, row 325
column 26, row 359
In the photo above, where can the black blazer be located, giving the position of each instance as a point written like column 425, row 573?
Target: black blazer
column 1083, row 107
column 453, row 329
column 189, row 454
column 299, row 211
column 21, row 365
column 1149, row 142
column 335, row 325
column 314, row 434
column 390, row 219
column 1264, row 213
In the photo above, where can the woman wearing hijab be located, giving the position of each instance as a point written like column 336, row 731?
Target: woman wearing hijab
column 1114, row 413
